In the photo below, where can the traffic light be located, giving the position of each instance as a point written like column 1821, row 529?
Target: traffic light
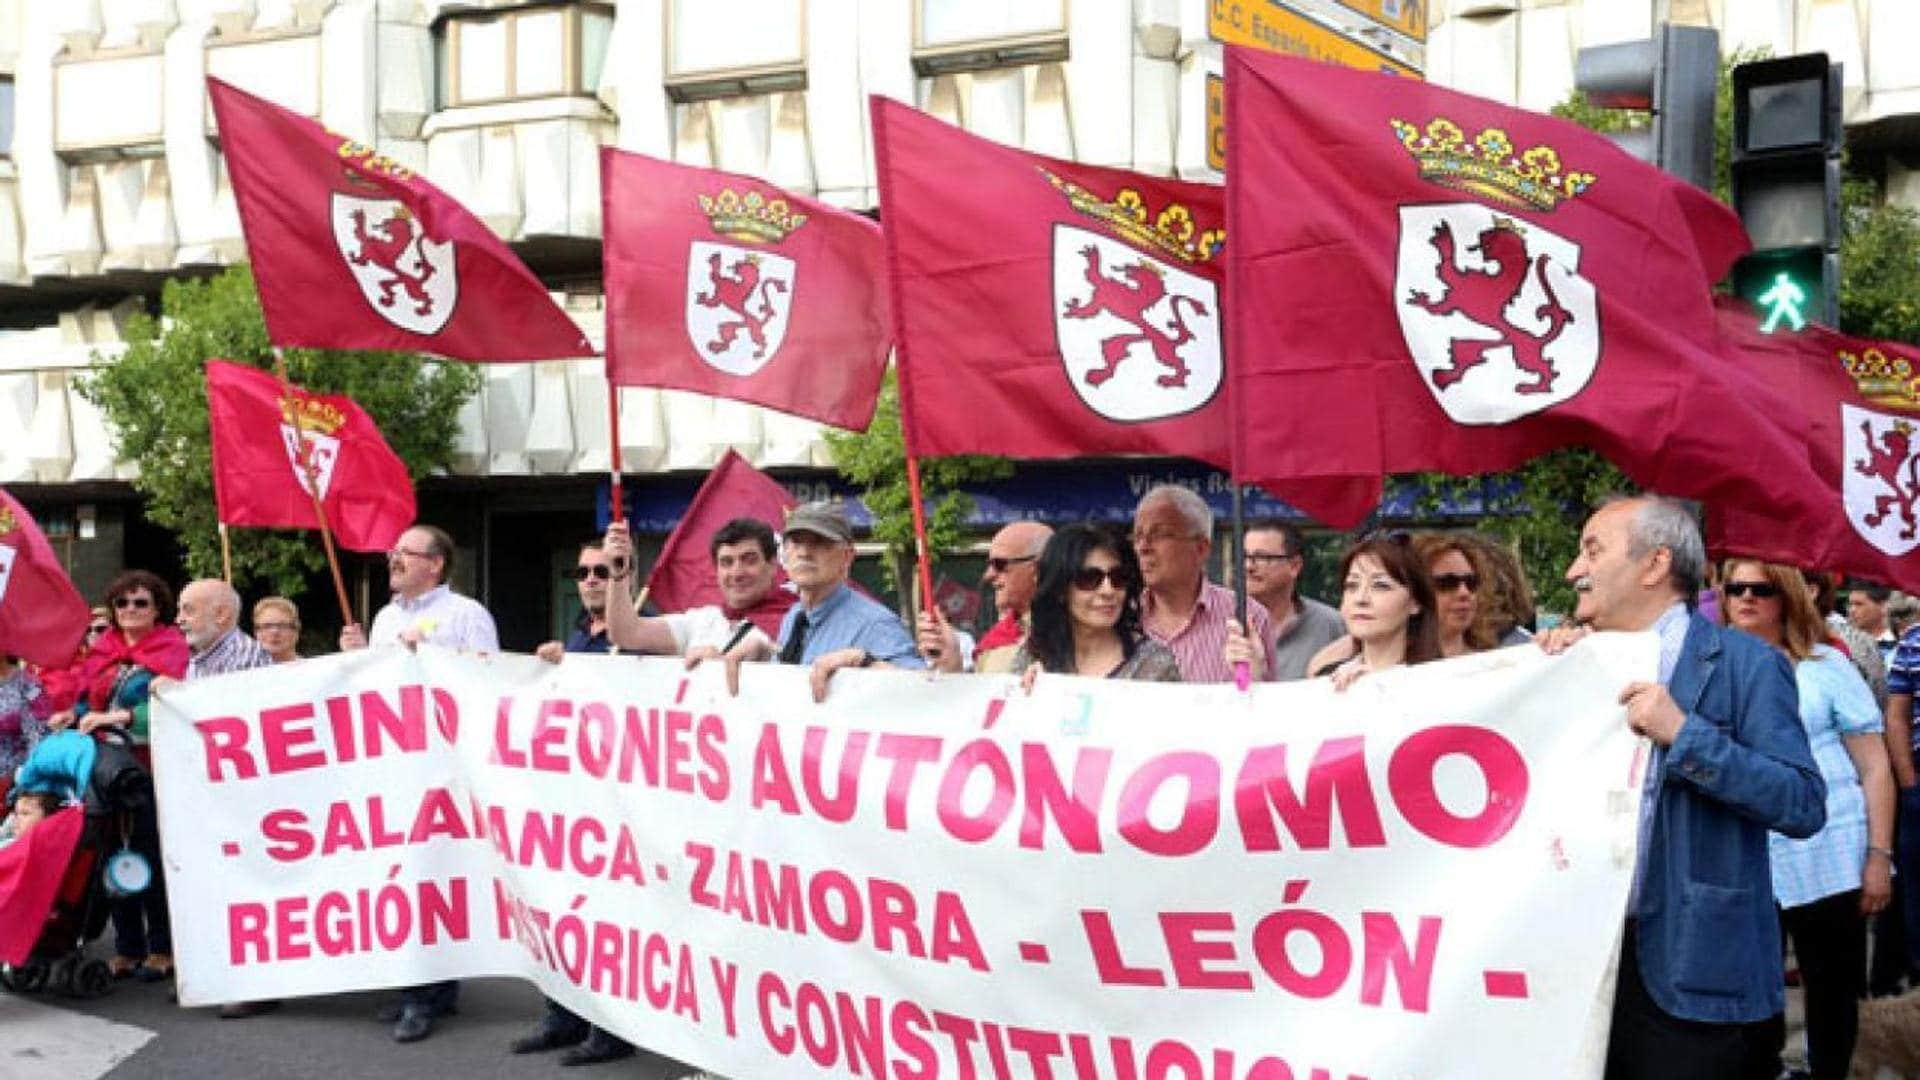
column 1675, row 75
column 1786, row 187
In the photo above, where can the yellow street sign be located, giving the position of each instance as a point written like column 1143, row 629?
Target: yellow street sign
column 1409, row 17
column 1264, row 24
column 1216, row 122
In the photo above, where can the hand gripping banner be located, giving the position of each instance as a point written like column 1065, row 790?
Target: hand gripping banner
column 1423, row 876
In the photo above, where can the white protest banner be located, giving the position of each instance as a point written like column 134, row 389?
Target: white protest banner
column 930, row 877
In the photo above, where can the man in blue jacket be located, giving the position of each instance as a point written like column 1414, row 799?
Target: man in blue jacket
column 1700, row 971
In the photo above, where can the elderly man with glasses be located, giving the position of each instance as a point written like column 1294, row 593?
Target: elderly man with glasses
column 424, row 609
column 1013, row 560
column 1275, row 553
column 1181, row 609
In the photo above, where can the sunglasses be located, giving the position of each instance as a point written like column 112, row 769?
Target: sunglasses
column 1089, row 578
column 1000, row 565
column 138, row 603
column 1759, row 590
column 582, row 573
column 97, row 628
column 1450, row 581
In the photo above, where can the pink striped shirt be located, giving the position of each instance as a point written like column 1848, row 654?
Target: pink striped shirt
column 1200, row 645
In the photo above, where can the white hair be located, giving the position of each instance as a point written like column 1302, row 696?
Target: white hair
column 1186, row 502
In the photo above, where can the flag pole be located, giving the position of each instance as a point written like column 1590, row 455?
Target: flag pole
column 226, row 555
column 616, row 500
column 313, row 490
column 920, row 534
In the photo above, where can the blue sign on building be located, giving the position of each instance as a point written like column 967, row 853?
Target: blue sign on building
column 1103, row 490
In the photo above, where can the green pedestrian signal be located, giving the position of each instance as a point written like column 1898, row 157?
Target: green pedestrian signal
column 1783, row 301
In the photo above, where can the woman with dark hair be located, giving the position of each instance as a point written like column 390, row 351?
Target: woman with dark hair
column 1085, row 617
column 1387, row 601
column 112, row 685
column 1829, row 884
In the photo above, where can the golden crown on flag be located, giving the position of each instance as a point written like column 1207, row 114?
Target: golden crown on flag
column 1172, row 231
column 1489, row 165
column 1883, row 379
column 313, row 415
column 751, row 217
column 7, row 522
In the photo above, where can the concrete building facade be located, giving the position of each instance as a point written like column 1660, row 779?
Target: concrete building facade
column 112, row 180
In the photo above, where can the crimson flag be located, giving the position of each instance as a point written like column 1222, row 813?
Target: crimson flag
column 352, row 250
column 42, row 616
column 257, row 475
column 1044, row 308
column 683, row 575
column 729, row 286
column 1426, row 280
column 31, row 870
column 1860, row 403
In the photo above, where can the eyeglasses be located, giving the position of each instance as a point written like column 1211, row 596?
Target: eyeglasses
column 1759, row 590
column 582, row 573
column 138, row 603
column 1450, row 581
column 1268, row 558
column 263, row 627
column 1155, row 536
column 1000, row 566
column 1089, row 578
column 97, row 628
column 403, row 553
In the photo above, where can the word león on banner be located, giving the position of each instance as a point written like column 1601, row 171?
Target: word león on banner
column 930, row 877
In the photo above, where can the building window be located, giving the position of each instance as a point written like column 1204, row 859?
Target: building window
column 731, row 48
column 6, row 116
column 970, row 35
column 534, row 51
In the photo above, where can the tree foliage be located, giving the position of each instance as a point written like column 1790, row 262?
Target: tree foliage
column 876, row 459
column 1879, row 265
column 155, row 398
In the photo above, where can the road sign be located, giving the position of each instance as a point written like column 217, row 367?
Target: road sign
column 1408, row 17
column 1265, row 24
column 1216, row 122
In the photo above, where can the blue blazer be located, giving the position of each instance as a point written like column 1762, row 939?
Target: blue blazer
column 1709, row 936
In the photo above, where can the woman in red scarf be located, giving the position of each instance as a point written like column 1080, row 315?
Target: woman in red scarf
column 112, row 686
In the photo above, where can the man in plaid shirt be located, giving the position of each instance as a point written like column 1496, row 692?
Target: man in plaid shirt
column 1903, row 677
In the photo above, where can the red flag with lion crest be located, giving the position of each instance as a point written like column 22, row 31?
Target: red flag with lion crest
column 1047, row 308
column 1426, row 280
column 352, row 250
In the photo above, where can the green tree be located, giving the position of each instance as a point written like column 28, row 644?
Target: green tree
column 155, row 398
column 1879, row 265
column 876, row 459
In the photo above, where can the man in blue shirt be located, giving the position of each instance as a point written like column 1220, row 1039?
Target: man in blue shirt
column 1700, row 973
column 833, row 626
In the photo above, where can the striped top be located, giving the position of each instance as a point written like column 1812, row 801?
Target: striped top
column 1200, row 646
column 234, row 651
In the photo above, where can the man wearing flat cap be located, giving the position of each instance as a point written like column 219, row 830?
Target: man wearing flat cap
column 833, row 626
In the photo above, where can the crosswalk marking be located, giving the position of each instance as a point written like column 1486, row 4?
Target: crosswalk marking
column 39, row 1042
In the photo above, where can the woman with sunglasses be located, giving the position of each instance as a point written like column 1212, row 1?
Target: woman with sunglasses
column 1085, row 618
column 1454, row 568
column 113, row 684
column 1830, row 883
column 1388, row 604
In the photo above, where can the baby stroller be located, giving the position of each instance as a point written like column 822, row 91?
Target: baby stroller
column 117, row 790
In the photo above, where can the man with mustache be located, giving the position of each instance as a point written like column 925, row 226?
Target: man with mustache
column 1700, row 973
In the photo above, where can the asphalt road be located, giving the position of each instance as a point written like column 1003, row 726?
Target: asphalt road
column 322, row 1038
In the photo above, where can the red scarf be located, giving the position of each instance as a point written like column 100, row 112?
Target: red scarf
column 766, row 614
column 162, row 651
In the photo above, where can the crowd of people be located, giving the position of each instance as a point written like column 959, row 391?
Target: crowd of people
column 1780, row 798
